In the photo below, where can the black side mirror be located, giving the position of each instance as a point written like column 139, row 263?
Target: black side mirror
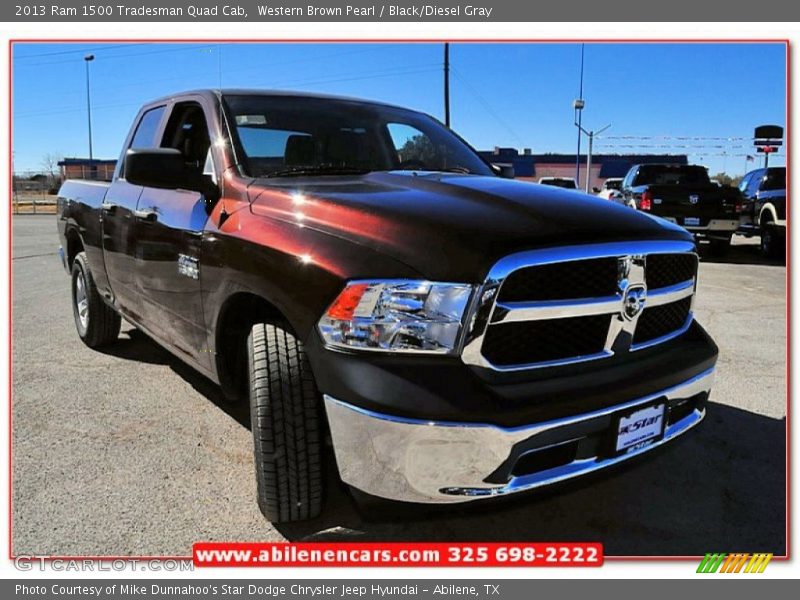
column 504, row 171
column 156, row 167
column 596, row 190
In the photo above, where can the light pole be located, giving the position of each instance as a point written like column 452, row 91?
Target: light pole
column 578, row 106
column 590, row 135
column 87, row 59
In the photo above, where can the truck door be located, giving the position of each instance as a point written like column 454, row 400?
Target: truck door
column 169, row 228
column 117, row 215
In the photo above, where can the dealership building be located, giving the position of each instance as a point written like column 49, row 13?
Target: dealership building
column 84, row 168
column 532, row 167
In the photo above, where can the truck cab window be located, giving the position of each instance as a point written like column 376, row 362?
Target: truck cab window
column 187, row 131
column 147, row 129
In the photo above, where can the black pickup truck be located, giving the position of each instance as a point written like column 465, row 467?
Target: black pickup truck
column 764, row 208
column 685, row 195
column 359, row 275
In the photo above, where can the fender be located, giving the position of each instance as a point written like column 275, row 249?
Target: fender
column 769, row 214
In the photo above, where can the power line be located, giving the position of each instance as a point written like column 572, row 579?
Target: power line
column 182, row 48
column 407, row 70
column 486, row 104
column 75, row 51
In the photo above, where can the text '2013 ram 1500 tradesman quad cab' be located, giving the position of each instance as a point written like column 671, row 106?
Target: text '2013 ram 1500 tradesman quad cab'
column 360, row 274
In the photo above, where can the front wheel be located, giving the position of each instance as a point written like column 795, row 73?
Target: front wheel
column 285, row 421
column 97, row 323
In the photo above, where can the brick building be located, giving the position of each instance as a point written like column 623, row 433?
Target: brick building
column 83, row 168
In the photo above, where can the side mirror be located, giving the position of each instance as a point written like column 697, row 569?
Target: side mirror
column 156, row 167
column 504, row 171
column 596, row 190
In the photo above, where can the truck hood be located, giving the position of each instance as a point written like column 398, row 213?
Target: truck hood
column 451, row 226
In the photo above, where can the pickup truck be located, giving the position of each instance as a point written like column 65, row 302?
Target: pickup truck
column 359, row 275
column 685, row 195
column 764, row 208
column 563, row 182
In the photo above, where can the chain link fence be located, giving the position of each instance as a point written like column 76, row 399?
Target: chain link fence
column 35, row 192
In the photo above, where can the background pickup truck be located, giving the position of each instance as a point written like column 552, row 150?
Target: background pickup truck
column 764, row 208
column 685, row 195
column 358, row 274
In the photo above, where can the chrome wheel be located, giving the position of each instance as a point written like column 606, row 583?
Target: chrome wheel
column 81, row 301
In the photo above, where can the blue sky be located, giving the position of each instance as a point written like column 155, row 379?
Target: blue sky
column 517, row 95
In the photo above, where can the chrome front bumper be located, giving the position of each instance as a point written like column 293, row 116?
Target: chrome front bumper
column 445, row 462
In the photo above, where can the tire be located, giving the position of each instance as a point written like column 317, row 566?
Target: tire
column 97, row 323
column 770, row 245
column 286, row 423
column 720, row 247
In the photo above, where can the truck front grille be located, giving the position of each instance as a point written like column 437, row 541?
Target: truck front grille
column 562, row 281
column 664, row 270
column 659, row 321
column 542, row 341
column 560, row 306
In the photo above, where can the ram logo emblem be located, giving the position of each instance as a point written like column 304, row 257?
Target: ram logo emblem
column 634, row 301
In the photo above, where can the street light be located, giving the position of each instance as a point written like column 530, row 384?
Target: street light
column 590, row 135
column 89, row 58
column 578, row 106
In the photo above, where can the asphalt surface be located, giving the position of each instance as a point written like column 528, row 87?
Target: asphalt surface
column 128, row 452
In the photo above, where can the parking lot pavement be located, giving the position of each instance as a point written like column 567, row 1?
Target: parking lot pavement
column 128, row 452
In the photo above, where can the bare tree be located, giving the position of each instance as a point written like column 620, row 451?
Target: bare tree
column 50, row 168
column 50, row 163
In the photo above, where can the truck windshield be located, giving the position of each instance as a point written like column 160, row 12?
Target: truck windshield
column 671, row 175
column 285, row 136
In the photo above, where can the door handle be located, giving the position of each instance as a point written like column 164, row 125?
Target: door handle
column 108, row 207
column 147, row 214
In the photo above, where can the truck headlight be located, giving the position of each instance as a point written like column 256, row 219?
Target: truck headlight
column 397, row 316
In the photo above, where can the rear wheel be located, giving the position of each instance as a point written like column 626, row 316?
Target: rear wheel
column 770, row 241
column 285, row 421
column 97, row 323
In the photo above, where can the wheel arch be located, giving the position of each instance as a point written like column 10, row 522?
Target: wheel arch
column 74, row 245
column 767, row 215
column 239, row 312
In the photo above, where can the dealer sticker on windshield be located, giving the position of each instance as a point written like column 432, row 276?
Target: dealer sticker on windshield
column 691, row 221
column 640, row 428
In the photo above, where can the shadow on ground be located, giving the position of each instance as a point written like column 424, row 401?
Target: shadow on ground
column 743, row 251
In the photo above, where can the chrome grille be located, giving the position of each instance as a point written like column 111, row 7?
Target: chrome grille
column 565, row 305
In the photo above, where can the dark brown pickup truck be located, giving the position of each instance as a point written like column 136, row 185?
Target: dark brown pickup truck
column 358, row 273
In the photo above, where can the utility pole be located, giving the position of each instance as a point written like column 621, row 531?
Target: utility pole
column 447, row 84
column 87, row 59
column 578, row 106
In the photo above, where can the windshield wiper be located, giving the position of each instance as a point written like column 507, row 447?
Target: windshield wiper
column 300, row 171
column 436, row 169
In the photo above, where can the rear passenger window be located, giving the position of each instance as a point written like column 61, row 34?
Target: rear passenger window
column 146, row 130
